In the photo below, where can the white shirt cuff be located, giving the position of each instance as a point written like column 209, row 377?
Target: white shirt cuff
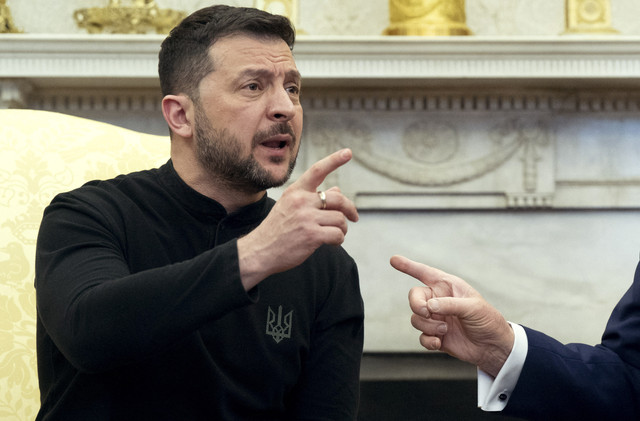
column 494, row 394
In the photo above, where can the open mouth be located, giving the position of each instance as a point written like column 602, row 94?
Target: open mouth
column 275, row 144
column 279, row 141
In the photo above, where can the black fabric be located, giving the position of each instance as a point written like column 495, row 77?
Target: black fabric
column 142, row 316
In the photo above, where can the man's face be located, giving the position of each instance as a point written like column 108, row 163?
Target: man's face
column 248, row 119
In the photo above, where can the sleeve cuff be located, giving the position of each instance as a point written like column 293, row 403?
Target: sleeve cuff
column 494, row 394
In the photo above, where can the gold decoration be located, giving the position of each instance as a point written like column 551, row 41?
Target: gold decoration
column 6, row 21
column 588, row 16
column 427, row 17
column 139, row 18
column 287, row 8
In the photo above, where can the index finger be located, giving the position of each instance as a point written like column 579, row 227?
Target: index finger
column 316, row 174
column 425, row 274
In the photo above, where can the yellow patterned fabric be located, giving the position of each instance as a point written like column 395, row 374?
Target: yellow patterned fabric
column 44, row 153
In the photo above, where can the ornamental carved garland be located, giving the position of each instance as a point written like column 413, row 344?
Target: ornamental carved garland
column 428, row 151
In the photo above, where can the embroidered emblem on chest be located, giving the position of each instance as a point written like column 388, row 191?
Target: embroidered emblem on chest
column 279, row 326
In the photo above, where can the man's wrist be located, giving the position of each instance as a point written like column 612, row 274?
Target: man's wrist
column 251, row 273
column 498, row 354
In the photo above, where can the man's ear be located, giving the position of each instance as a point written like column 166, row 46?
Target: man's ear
column 177, row 111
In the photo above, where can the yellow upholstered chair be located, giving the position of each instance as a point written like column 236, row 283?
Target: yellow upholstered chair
column 44, row 153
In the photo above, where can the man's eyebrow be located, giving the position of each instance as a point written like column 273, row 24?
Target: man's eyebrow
column 261, row 73
column 294, row 74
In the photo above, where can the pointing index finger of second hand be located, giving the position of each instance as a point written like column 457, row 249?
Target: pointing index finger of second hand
column 421, row 272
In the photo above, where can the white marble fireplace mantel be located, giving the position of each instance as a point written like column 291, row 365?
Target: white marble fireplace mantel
column 131, row 60
column 513, row 162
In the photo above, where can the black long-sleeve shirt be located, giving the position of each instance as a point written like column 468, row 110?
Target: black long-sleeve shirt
column 142, row 315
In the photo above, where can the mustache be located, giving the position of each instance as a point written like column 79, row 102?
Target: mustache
column 276, row 129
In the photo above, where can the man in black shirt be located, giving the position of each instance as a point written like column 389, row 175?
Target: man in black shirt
column 184, row 292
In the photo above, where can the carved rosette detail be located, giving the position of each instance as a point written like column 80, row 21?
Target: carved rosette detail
column 588, row 16
column 430, row 142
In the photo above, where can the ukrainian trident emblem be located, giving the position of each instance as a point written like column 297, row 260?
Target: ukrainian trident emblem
column 279, row 327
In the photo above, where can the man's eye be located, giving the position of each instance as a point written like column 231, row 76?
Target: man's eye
column 253, row 86
column 293, row 90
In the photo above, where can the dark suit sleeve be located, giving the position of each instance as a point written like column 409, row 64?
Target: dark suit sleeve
column 582, row 382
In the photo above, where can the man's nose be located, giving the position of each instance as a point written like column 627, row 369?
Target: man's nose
column 282, row 107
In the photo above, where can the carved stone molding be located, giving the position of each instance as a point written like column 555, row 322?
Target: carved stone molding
column 117, row 100
column 130, row 60
column 480, row 99
column 524, row 100
column 14, row 93
column 497, row 162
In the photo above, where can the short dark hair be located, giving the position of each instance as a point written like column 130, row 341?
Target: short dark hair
column 184, row 55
